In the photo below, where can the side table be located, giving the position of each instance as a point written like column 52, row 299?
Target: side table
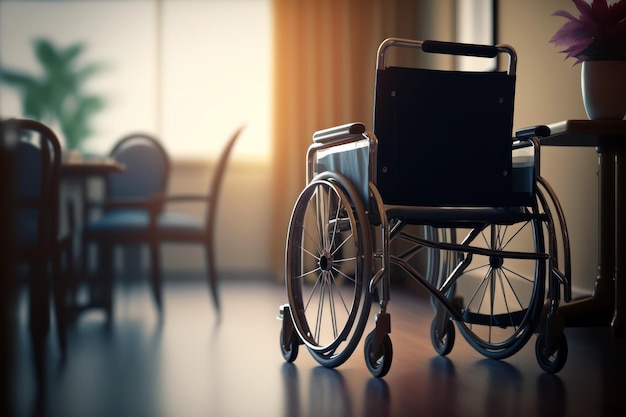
column 608, row 137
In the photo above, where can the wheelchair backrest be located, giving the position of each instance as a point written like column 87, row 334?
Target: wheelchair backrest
column 445, row 137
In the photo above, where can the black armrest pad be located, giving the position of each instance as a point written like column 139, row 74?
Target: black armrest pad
column 338, row 132
column 533, row 131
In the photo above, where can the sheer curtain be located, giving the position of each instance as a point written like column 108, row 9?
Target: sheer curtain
column 325, row 55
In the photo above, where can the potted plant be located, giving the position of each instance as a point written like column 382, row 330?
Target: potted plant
column 597, row 39
column 57, row 96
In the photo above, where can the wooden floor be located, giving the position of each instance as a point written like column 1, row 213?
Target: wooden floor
column 191, row 365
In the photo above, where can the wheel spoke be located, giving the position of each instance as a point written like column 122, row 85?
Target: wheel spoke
column 513, row 290
column 304, row 274
column 320, row 309
column 505, row 299
column 315, row 243
column 315, row 286
column 485, row 265
column 336, row 224
column 522, row 227
column 483, row 282
column 342, row 243
column 340, row 272
column 339, row 291
column 331, row 301
column 314, row 256
column 517, row 274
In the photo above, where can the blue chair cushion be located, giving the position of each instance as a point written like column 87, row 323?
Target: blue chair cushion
column 124, row 221
column 180, row 223
column 134, row 220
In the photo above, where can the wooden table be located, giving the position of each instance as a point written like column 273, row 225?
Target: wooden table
column 80, row 171
column 608, row 137
column 84, row 168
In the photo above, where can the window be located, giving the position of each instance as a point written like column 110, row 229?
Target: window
column 189, row 71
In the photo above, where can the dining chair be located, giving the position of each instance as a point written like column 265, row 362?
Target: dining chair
column 124, row 215
column 134, row 213
column 179, row 227
column 39, row 244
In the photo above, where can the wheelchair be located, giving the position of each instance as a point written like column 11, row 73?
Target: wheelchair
column 440, row 190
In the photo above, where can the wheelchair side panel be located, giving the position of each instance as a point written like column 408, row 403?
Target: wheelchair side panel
column 351, row 160
column 444, row 137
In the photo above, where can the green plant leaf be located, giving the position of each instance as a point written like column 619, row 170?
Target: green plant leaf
column 58, row 94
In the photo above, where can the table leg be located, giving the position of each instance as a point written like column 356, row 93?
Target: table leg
column 618, row 325
column 597, row 310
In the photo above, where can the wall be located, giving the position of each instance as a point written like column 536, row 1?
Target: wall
column 189, row 72
column 548, row 90
column 243, row 226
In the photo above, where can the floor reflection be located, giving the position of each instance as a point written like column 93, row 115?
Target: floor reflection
column 377, row 398
column 326, row 393
column 189, row 366
column 552, row 396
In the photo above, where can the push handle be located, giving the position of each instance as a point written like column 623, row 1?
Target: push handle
column 465, row 49
column 452, row 48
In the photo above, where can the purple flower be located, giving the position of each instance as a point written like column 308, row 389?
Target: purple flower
column 599, row 33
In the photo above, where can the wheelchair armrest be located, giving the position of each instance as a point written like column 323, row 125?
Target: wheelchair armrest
column 529, row 141
column 533, row 131
column 338, row 133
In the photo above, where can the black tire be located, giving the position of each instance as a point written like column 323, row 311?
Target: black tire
column 378, row 365
column 442, row 343
column 553, row 361
column 290, row 352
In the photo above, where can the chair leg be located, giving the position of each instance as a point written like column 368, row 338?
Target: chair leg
column 155, row 273
column 83, row 268
column 60, row 285
column 39, row 315
column 212, row 275
column 105, row 280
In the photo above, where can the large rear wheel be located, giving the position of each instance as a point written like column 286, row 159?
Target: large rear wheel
column 501, row 296
column 328, row 266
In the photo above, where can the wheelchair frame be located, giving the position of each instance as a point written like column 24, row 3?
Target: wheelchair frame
column 379, row 224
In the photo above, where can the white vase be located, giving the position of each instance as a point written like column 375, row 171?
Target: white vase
column 603, row 85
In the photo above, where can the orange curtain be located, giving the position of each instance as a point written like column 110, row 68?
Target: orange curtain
column 325, row 57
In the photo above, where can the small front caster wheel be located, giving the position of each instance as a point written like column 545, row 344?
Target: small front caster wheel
column 380, row 364
column 289, row 351
column 551, row 360
column 442, row 341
